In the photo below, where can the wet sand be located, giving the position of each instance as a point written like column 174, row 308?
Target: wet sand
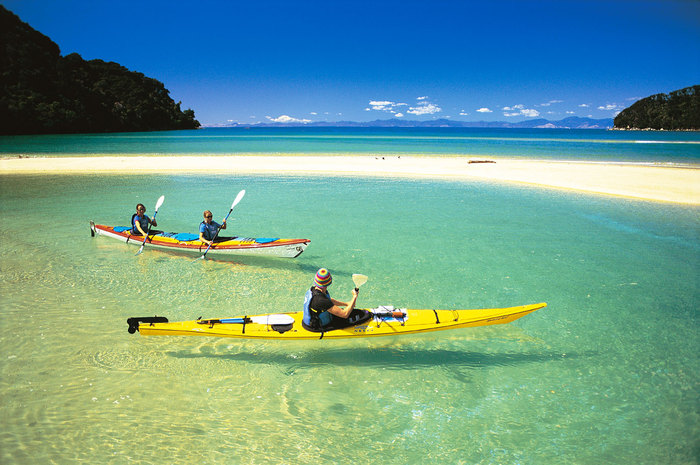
column 664, row 183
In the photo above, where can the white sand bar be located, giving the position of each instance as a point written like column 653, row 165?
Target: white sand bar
column 665, row 183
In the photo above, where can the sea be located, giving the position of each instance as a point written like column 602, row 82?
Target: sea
column 607, row 373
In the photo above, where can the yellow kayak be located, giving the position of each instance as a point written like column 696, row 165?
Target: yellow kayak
column 380, row 321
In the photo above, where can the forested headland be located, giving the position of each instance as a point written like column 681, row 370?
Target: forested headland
column 678, row 110
column 42, row 92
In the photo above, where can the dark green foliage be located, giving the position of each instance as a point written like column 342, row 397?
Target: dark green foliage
column 42, row 92
column 675, row 111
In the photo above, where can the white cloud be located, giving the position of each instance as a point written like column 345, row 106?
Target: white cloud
column 530, row 113
column 550, row 103
column 520, row 110
column 287, row 119
column 424, row 108
column 610, row 107
column 584, row 105
column 569, row 112
column 484, row 110
column 314, row 113
column 381, row 105
column 384, row 105
column 463, row 113
column 399, row 115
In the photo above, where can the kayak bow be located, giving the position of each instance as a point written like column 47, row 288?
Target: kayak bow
column 380, row 321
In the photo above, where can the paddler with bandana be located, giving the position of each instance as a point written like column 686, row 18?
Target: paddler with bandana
column 320, row 309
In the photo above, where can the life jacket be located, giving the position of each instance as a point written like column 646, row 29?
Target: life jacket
column 208, row 233
column 314, row 318
column 144, row 224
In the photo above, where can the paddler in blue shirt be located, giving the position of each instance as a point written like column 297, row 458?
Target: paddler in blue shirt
column 140, row 221
column 208, row 228
column 320, row 308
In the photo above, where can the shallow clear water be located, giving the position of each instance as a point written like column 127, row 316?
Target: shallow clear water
column 607, row 373
column 582, row 144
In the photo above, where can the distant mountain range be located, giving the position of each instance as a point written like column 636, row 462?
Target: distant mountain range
column 572, row 122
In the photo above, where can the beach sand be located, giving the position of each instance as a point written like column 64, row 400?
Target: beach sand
column 662, row 183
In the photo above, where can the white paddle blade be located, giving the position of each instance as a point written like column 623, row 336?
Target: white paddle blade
column 160, row 202
column 359, row 279
column 239, row 197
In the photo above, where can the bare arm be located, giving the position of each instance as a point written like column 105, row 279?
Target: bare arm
column 349, row 307
column 201, row 238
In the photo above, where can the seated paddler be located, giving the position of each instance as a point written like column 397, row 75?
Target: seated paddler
column 140, row 221
column 321, row 311
column 208, row 228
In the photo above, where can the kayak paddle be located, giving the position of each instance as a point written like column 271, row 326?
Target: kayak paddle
column 158, row 204
column 235, row 202
column 359, row 280
column 273, row 319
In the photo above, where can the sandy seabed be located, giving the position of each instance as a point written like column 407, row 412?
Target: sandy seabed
column 656, row 182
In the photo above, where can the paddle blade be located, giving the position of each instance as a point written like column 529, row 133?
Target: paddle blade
column 359, row 280
column 160, row 202
column 239, row 197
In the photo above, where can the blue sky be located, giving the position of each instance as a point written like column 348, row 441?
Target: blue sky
column 261, row 61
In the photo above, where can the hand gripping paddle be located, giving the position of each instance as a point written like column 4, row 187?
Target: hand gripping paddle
column 158, row 204
column 235, row 202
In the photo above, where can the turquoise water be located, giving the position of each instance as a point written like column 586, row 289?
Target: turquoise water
column 608, row 373
column 588, row 144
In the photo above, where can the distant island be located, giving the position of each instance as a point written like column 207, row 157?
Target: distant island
column 572, row 122
column 676, row 111
column 42, row 92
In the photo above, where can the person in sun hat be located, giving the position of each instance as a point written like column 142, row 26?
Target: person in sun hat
column 320, row 309
column 208, row 228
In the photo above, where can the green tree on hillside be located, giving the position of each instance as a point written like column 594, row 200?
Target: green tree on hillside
column 677, row 110
column 43, row 92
